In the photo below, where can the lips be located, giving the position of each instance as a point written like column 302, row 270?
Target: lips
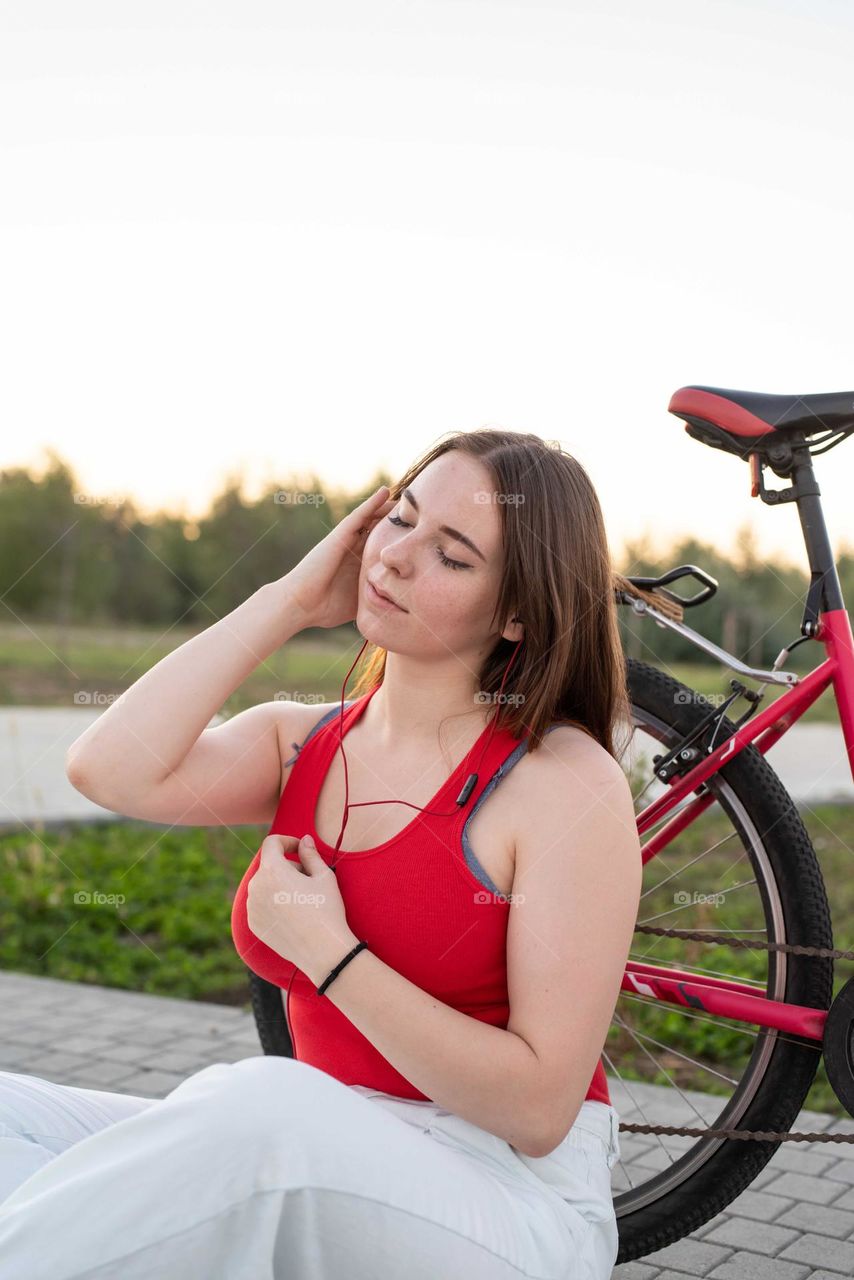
column 385, row 596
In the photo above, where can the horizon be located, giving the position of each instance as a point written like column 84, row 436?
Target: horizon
column 262, row 240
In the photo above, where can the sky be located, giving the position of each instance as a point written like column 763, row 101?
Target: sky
column 282, row 240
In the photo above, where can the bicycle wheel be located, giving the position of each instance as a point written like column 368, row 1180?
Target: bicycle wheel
column 746, row 866
column 720, row 1073
column 269, row 1011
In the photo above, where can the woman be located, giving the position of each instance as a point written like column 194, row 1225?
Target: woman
column 449, row 975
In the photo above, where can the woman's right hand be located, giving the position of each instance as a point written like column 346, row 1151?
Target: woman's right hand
column 324, row 586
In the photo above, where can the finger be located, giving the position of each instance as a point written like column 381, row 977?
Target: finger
column 378, row 495
column 373, row 520
column 275, row 847
column 368, row 525
column 362, row 519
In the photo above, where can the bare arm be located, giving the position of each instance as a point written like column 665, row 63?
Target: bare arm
column 573, row 910
column 476, row 1070
column 151, row 754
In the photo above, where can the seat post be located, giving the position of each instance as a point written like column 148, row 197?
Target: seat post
column 819, row 551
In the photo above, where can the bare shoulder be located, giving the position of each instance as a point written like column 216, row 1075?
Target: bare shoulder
column 580, row 757
column 570, row 773
column 294, row 721
column 300, row 717
column 571, row 759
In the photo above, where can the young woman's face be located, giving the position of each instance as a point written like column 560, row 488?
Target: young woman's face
column 445, row 607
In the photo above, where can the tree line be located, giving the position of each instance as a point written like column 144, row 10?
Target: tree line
column 68, row 557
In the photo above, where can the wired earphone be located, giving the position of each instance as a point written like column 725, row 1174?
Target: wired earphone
column 465, row 794
column 468, row 786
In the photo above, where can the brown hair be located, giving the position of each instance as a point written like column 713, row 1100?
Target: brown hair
column 558, row 579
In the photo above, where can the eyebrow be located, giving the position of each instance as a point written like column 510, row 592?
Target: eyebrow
column 444, row 528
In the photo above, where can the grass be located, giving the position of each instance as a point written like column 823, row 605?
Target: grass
column 44, row 665
column 155, row 910
column 157, row 919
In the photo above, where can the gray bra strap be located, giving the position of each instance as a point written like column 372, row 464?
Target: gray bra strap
column 324, row 719
column 474, row 866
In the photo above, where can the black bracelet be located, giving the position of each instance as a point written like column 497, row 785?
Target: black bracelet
column 334, row 974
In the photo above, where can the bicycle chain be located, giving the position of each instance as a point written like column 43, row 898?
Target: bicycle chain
column 745, row 1135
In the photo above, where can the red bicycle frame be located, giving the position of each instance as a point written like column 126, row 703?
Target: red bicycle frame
column 721, row 996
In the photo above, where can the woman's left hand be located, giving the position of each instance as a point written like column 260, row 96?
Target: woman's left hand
column 297, row 908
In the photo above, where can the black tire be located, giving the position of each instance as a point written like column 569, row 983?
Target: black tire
column 771, row 1099
column 270, row 1018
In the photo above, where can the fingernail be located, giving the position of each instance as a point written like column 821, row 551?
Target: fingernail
column 308, row 840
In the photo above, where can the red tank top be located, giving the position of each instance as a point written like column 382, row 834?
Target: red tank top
column 448, row 934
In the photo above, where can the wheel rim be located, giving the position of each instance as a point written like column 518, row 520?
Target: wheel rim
column 681, row 1156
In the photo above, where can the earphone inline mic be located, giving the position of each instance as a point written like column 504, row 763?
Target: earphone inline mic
column 468, row 786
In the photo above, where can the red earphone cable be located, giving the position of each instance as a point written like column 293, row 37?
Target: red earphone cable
column 470, row 783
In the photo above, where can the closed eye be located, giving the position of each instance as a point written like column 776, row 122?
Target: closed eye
column 451, row 564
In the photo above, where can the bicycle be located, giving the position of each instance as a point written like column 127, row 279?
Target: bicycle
column 779, row 1018
column 783, row 1016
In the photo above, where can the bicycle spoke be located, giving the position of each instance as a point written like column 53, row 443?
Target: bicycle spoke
column 715, row 880
column 639, row 1035
column 680, row 870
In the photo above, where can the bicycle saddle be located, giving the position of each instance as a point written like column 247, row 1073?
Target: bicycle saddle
column 739, row 420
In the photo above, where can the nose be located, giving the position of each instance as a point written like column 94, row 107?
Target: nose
column 396, row 556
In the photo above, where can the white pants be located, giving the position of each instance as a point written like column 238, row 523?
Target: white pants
column 269, row 1168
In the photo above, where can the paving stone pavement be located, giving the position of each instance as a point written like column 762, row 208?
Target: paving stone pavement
column 794, row 1222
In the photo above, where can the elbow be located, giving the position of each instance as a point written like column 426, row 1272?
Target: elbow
column 540, row 1146
column 73, row 771
column 538, row 1142
column 550, row 1131
column 82, row 778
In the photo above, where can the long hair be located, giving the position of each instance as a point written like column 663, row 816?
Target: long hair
column 558, row 579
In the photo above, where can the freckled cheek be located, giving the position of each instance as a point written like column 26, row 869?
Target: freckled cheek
column 434, row 592
column 374, row 544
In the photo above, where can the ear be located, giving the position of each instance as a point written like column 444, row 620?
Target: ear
column 514, row 630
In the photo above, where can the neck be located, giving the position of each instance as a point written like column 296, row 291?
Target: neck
column 418, row 699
